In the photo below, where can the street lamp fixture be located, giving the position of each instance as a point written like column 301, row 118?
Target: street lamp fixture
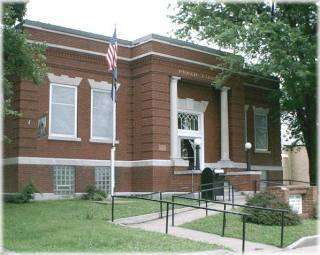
column 248, row 147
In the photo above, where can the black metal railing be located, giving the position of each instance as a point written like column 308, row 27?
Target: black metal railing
column 199, row 200
column 173, row 204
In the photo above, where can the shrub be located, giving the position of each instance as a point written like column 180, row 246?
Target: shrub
column 25, row 195
column 264, row 217
column 92, row 193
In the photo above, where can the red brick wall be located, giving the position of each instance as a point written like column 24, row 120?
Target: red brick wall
column 10, row 177
column 143, row 113
column 309, row 197
column 84, row 176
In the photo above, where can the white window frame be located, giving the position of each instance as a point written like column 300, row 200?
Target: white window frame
column 262, row 112
column 192, row 134
column 103, row 86
column 55, row 136
column 98, row 138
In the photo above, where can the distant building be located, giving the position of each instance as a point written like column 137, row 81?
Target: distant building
column 295, row 163
column 165, row 101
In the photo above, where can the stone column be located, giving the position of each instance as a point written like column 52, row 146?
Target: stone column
column 174, row 117
column 224, row 124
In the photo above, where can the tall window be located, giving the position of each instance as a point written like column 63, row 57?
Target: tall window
column 101, row 114
column 63, row 110
column 63, row 180
column 261, row 129
column 103, row 178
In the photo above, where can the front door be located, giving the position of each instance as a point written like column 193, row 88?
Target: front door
column 188, row 152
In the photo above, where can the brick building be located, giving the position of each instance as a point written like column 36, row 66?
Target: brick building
column 62, row 140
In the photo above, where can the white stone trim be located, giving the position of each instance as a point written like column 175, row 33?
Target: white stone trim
column 184, row 172
column 231, row 164
column 84, row 162
column 127, row 163
column 189, row 104
column 260, row 110
column 64, row 138
column 174, row 117
column 244, row 173
column 180, row 162
column 224, row 118
column 102, row 85
column 64, row 79
column 100, row 140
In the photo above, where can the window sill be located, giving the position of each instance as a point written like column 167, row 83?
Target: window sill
column 262, row 151
column 101, row 140
column 64, row 138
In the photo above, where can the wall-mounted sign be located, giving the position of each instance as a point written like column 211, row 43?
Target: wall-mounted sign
column 191, row 74
column 295, row 202
column 42, row 126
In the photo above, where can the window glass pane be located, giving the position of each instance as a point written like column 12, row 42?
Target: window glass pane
column 261, row 121
column 188, row 121
column 101, row 114
column 103, row 178
column 261, row 131
column 63, row 110
column 101, row 99
column 62, row 119
column 63, row 95
column 261, row 139
column 63, row 180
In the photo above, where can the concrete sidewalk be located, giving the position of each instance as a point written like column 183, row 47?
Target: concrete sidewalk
column 151, row 222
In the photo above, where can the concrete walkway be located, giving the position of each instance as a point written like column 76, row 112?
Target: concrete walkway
column 151, row 222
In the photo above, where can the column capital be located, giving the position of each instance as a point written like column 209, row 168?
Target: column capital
column 175, row 78
column 224, row 88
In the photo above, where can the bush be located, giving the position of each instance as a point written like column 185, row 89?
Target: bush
column 92, row 193
column 265, row 217
column 25, row 196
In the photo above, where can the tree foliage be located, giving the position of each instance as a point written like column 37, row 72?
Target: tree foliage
column 22, row 60
column 281, row 44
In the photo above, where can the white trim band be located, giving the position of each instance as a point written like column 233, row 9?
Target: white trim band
column 124, row 163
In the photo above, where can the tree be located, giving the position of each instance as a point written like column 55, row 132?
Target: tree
column 22, row 60
column 280, row 44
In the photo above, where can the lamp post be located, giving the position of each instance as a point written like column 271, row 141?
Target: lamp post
column 197, row 143
column 248, row 147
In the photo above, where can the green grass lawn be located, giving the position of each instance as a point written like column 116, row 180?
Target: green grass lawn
column 77, row 225
column 254, row 232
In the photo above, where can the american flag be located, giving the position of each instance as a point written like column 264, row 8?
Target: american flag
column 112, row 61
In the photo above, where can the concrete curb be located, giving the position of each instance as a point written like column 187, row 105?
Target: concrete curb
column 306, row 241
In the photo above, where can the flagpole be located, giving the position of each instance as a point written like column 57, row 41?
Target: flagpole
column 112, row 62
column 113, row 149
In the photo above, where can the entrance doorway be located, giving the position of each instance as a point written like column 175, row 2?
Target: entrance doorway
column 188, row 152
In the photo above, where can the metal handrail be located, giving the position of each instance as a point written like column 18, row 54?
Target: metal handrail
column 172, row 203
column 282, row 211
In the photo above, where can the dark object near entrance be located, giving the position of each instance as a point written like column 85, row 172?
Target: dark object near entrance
column 265, row 217
column 212, row 184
